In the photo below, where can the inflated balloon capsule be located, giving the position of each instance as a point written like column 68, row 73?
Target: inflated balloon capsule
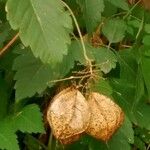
column 68, row 115
column 106, row 116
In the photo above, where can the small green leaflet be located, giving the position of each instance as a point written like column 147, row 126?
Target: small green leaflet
column 146, row 40
column 114, row 30
column 139, row 143
column 145, row 63
column 120, row 4
column 102, row 86
column 27, row 120
column 105, row 58
column 127, row 130
column 33, row 76
column 118, row 142
column 3, row 98
column 128, row 65
column 142, row 115
column 8, row 138
column 92, row 10
column 43, row 25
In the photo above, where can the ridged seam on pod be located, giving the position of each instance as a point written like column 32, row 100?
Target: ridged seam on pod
column 68, row 114
column 106, row 116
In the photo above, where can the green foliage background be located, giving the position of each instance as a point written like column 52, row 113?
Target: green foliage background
column 49, row 49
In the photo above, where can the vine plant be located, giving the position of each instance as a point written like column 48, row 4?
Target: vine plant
column 48, row 45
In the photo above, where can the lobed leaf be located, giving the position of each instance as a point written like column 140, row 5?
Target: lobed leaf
column 114, row 30
column 43, row 25
column 92, row 13
column 120, row 4
column 8, row 138
column 117, row 142
column 33, row 76
column 29, row 119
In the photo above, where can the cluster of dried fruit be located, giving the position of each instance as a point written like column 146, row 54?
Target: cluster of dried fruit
column 70, row 115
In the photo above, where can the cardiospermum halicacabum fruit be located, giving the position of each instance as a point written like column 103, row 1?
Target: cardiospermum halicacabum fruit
column 68, row 115
column 106, row 116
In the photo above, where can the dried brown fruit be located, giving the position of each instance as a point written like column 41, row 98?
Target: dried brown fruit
column 70, row 139
column 106, row 116
column 68, row 115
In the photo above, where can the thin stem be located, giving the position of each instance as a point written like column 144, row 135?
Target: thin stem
column 126, row 46
column 69, row 78
column 148, row 147
column 109, row 45
column 40, row 143
column 140, row 28
column 129, row 12
column 50, row 141
column 9, row 44
column 81, row 38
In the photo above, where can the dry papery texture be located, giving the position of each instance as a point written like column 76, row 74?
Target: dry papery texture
column 68, row 115
column 106, row 117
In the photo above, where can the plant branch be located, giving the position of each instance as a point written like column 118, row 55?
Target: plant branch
column 70, row 78
column 129, row 12
column 81, row 38
column 9, row 44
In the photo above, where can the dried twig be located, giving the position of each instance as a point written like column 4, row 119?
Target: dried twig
column 9, row 44
column 81, row 38
column 70, row 78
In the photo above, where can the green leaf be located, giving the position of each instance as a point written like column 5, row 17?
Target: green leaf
column 76, row 52
column 147, row 28
column 105, row 59
column 5, row 64
column 3, row 98
column 33, row 76
column 29, row 120
column 4, row 30
column 143, row 134
column 8, row 138
column 139, row 91
column 43, row 25
column 109, row 9
column 128, row 65
column 120, row 4
column 146, row 40
column 139, row 143
column 32, row 143
column 102, row 86
column 145, row 63
column 118, row 141
column 92, row 10
column 131, row 72
column 127, row 130
column 142, row 115
column 114, row 30
column 123, row 93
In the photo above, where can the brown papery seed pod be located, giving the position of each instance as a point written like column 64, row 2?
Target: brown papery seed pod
column 106, row 116
column 70, row 139
column 68, row 115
